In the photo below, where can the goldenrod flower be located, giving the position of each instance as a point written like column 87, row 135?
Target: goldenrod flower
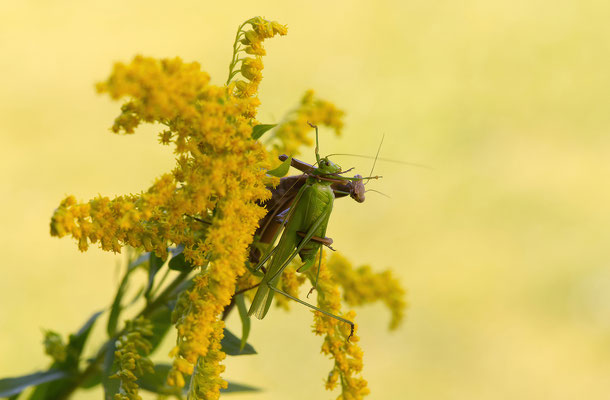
column 215, row 156
column 219, row 167
column 362, row 286
column 290, row 283
column 347, row 354
column 295, row 130
column 251, row 68
column 131, row 350
column 206, row 381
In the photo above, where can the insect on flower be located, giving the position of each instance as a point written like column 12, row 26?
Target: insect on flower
column 305, row 218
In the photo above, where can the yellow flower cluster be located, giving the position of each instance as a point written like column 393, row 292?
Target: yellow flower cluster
column 216, row 160
column 131, row 351
column 164, row 90
column 362, row 286
column 206, row 381
column 219, row 176
column 212, row 290
column 295, row 130
column 251, row 42
column 347, row 354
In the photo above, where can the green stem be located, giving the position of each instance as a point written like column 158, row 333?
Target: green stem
column 235, row 51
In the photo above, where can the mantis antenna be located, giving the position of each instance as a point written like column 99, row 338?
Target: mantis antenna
column 376, row 156
column 383, row 159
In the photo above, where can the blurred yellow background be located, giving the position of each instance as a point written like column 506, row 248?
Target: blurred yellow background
column 503, row 246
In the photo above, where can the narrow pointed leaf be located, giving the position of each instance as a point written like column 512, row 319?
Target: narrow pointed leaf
column 282, row 169
column 157, row 382
column 142, row 258
column 238, row 387
column 231, row 345
column 77, row 341
column 245, row 320
column 111, row 386
column 154, row 265
column 116, row 308
column 92, row 381
column 161, row 322
column 259, row 130
column 179, row 263
column 13, row 386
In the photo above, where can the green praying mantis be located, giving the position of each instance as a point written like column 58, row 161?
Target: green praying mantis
column 305, row 216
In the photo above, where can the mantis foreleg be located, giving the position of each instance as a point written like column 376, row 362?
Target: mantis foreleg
column 315, row 284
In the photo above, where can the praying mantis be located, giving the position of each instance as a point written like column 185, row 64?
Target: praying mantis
column 305, row 216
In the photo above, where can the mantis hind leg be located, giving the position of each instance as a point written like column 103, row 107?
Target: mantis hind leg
column 338, row 318
column 315, row 284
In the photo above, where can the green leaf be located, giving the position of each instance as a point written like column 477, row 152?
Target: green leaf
column 259, row 130
column 13, row 386
column 178, row 263
column 136, row 296
column 156, row 382
column 231, row 345
column 282, row 169
column 154, row 265
column 92, row 381
column 111, row 386
column 77, row 341
column 245, row 320
column 115, row 309
column 238, row 387
column 142, row 258
column 161, row 321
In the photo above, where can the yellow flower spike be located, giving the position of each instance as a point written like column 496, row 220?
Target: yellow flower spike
column 206, row 381
column 295, row 130
column 131, row 351
column 219, row 168
column 362, row 286
column 252, row 39
column 347, row 354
